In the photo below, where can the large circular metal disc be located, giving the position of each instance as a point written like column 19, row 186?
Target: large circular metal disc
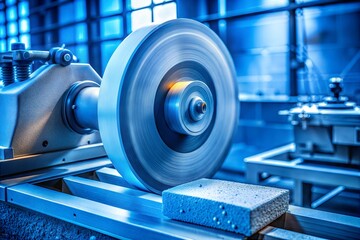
column 140, row 73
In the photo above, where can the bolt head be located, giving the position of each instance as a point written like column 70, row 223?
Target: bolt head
column 67, row 57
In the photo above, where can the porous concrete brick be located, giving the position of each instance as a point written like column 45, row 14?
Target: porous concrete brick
column 231, row 206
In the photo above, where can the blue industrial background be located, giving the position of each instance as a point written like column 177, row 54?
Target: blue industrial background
column 283, row 50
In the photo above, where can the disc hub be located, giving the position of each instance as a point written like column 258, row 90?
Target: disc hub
column 189, row 107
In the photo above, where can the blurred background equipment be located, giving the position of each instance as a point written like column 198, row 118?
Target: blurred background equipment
column 297, row 66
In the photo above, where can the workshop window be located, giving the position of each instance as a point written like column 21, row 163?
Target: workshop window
column 75, row 11
column 144, row 12
column 110, row 7
column 107, row 49
column 164, row 12
column 92, row 29
column 139, row 13
column 14, row 23
column 140, row 18
column 111, row 27
column 2, row 31
column 12, row 28
column 135, row 4
column 73, row 34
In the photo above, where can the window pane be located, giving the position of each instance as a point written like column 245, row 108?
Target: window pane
column 73, row 34
column 2, row 31
column 80, row 10
column 2, row 17
column 164, row 12
column 24, row 25
column 11, row 13
column 140, row 18
column 2, row 45
column 66, row 13
column 67, row 35
column 72, row 11
column 23, row 9
column 107, row 49
column 109, row 7
column 49, row 38
column 12, row 29
column 111, row 27
column 10, row 2
column 140, row 3
column 81, row 32
column 25, row 39
column 81, row 52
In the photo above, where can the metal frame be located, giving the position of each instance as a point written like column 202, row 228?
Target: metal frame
column 279, row 162
column 36, row 161
column 51, row 173
column 92, row 194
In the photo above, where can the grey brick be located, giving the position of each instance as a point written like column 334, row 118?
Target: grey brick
column 231, row 206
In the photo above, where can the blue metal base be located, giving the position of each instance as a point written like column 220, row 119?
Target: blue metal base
column 93, row 195
column 278, row 162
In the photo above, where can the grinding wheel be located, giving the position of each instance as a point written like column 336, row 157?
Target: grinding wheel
column 168, row 105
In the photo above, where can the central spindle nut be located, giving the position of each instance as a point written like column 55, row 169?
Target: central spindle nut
column 197, row 108
column 189, row 107
column 201, row 107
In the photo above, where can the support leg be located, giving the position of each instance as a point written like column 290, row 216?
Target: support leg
column 302, row 194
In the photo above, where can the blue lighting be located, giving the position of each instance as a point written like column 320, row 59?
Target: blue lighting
column 140, row 18
column 24, row 25
column 2, row 45
column 81, row 53
column 107, row 23
column 80, row 10
column 23, row 9
column 109, row 7
column 73, row 34
column 81, row 32
column 135, row 4
column 11, row 13
column 164, row 12
column 10, row 2
column 160, row 1
column 12, row 28
column 72, row 11
column 2, row 17
column 107, row 49
column 25, row 39
column 2, row 32
column 15, row 14
column 111, row 27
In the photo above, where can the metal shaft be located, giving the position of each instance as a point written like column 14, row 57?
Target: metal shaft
column 80, row 107
column 85, row 108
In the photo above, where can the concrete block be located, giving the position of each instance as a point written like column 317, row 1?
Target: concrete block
column 231, row 206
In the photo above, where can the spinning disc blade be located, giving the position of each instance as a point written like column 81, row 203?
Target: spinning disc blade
column 134, row 129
